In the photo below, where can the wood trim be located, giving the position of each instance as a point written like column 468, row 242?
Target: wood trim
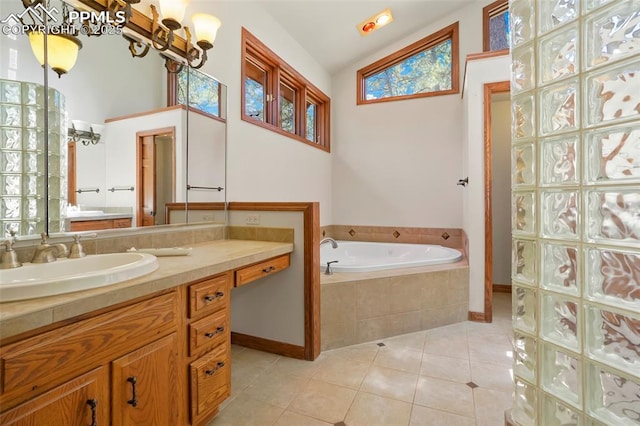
column 478, row 56
column 266, row 345
column 477, row 317
column 501, row 288
column 489, row 90
column 142, row 114
column 71, row 173
column 495, row 8
column 449, row 32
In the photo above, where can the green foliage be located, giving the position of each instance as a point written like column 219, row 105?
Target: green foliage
column 203, row 91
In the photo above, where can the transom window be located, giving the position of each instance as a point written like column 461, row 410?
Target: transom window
column 495, row 26
column 277, row 97
column 428, row 67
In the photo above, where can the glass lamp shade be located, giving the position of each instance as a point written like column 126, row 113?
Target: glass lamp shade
column 62, row 50
column 173, row 10
column 205, row 26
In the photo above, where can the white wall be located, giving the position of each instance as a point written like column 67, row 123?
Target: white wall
column 263, row 165
column 397, row 163
column 501, row 190
column 206, row 157
column 479, row 73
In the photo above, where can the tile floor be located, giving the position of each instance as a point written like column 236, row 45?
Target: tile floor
column 454, row 375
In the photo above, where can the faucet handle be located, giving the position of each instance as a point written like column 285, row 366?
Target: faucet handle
column 45, row 238
column 77, row 251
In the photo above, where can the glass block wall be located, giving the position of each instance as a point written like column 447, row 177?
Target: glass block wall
column 22, row 158
column 576, row 220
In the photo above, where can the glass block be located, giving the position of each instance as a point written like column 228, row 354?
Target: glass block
column 559, row 108
column 613, row 155
column 32, row 117
column 613, row 94
column 522, row 69
column 613, row 338
column 554, row 13
column 31, row 227
column 554, row 413
column 592, row 4
column 612, row 398
column 561, row 55
column 560, row 321
column 32, row 139
column 32, row 94
column 525, row 357
column 33, row 162
column 612, row 33
column 559, row 164
column 523, row 219
column 7, row 226
column 10, row 92
column 10, row 162
column 10, row 208
column 10, row 115
column 523, row 117
column 523, row 160
column 32, row 185
column 523, row 261
column 521, row 19
column 54, row 186
column 11, row 138
column 613, row 276
column 560, row 268
column 33, row 208
column 54, row 166
column 524, row 309
column 559, row 214
column 613, row 215
column 10, row 184
column 524, row 404
column 561, row 375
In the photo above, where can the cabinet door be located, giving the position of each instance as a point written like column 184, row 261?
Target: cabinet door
column 145, row 385
column 79, row 402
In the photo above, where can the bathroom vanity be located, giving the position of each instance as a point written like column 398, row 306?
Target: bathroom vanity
column 153, row 350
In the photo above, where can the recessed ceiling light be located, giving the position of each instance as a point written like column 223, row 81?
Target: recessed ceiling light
column 377, row 21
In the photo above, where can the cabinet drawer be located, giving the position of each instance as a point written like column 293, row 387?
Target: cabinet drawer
column 122, row 223
column 40, row 361
column 260, row 270
column 91, row 225
column 210, row 381
column 208, row 296
column 208, row 332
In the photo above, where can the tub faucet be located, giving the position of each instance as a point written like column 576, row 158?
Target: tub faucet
column 329, row 240
column 328, row 271
column 47, row 253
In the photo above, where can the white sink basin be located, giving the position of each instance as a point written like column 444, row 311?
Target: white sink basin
column 67, row 275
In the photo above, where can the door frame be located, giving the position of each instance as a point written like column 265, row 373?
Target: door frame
column 171, row 131
column 489, row 90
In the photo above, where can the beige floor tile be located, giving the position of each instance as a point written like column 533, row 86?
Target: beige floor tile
column 276, row 389
column 245, row 411
column 496, row 349
column 410, row 340
column 455, row 346
column 390, row 383
column 424, row 416
column 342, row 371
column 399, row 358
column 296, row 367
column 236, row 349
column 493, row 376
column 445, row 395
column 490, row 406
column 254, row 358
column 446, row 367
column 289, row 418
column 373, row 410
column 244, row 375
column 323, row 401
column 364, row 352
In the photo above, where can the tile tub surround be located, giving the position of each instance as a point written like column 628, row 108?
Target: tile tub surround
column 447, row 237
column 359, row 307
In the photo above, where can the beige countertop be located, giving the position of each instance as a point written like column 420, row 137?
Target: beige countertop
column 206, row 259
column 102, row 216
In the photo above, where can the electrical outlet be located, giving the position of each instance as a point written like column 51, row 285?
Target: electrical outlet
column 252, row 219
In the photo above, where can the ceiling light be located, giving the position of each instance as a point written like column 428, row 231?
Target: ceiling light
column 368, row 27
column 377, row 21
column 62, row 50
column 383, row 19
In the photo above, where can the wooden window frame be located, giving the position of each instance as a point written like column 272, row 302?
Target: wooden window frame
column 280, row 71
column 489, row 11
column 447, row 33
column 172, row 97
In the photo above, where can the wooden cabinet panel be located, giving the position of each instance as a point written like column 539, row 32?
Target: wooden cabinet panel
column 70, row 404
column 94, row 225
column 209, row 296
column 122, row 223
column 260, row 270
column 144, row 385
column 59, row 354
column 210, row 382
column 208, row 332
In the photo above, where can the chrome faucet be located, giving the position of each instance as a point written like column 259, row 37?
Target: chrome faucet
column 45, row 252
column 9, row 258
column 333, row 242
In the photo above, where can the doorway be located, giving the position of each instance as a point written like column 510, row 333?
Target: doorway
column 497, row 178
column 155, row 174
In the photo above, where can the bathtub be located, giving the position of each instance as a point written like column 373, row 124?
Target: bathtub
column 356, row 256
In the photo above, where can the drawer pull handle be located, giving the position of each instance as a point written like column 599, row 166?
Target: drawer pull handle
column 134, row 399
column 211, row 298
column 213, row 333
column 269, row 269
column 94, row 412
column 218, row 366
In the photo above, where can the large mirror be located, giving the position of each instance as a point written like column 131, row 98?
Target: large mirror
column 124, row 156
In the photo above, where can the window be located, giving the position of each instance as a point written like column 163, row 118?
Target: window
column 428, row 67
column 495, row 26
column 205, row 92
column 278, row 98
